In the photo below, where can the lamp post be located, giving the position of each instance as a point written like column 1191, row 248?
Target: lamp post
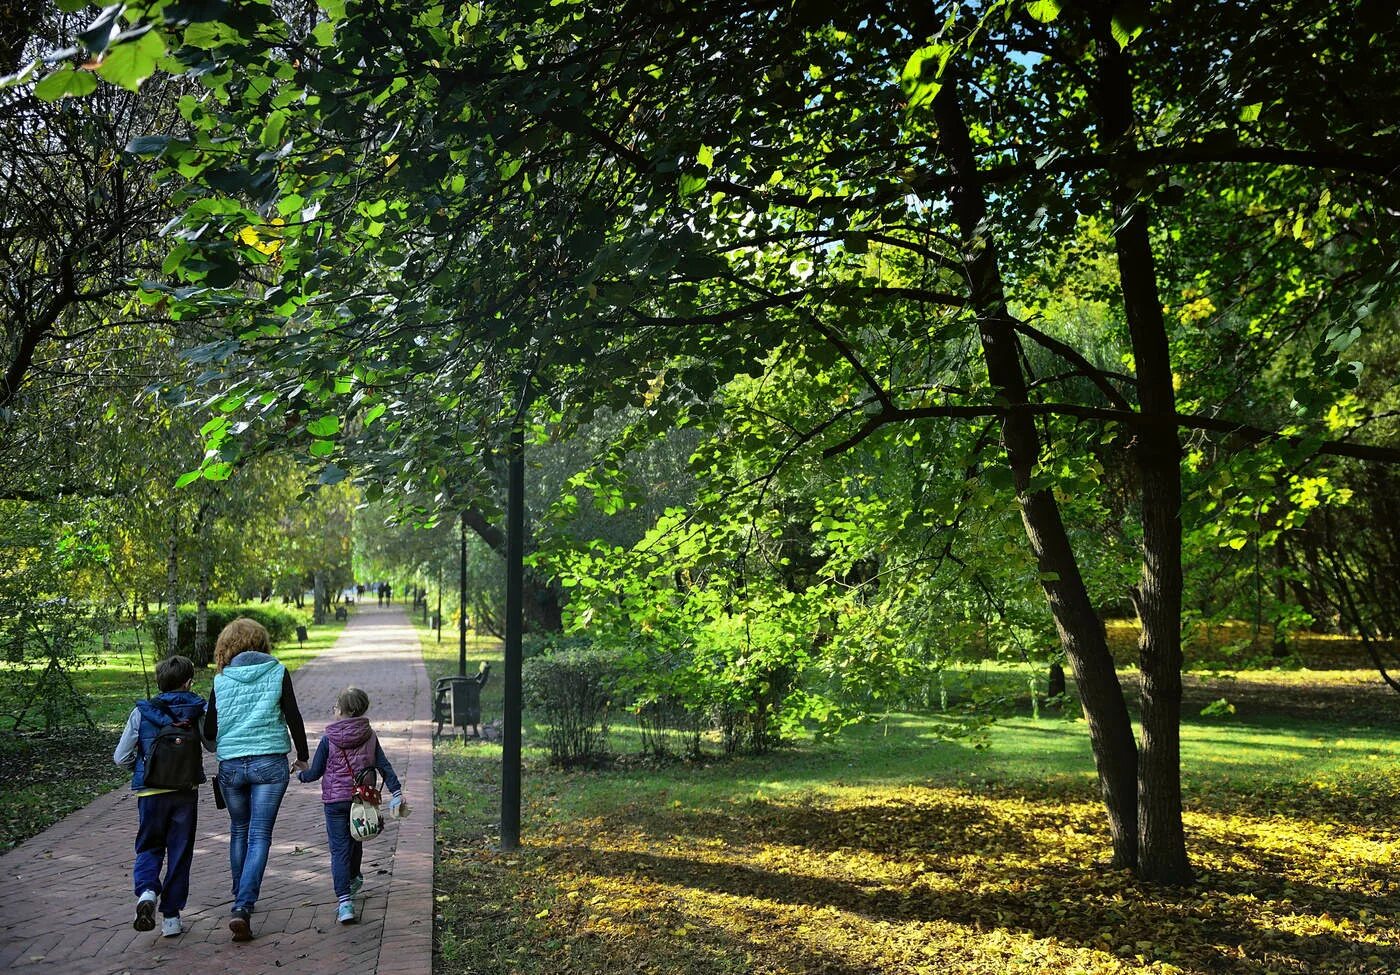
column 515, row 577
column 462, row 601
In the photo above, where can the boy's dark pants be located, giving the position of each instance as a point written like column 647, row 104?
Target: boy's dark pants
column 346, row 854
column 168, row 823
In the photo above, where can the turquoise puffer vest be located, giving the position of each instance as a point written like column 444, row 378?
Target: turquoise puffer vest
column 248, row 700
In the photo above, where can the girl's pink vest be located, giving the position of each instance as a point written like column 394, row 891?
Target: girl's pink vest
column 351, row 745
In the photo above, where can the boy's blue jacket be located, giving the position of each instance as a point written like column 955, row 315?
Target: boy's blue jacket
column 146, row 721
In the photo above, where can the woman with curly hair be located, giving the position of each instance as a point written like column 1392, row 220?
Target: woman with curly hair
column 254, row 721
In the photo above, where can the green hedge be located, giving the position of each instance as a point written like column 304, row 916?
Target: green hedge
column 572, row 682
column 281, row 624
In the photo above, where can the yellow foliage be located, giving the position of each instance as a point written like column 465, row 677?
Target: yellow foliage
column 941, row 880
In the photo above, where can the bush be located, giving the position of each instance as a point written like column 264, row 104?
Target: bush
column 281, row 624
column 571, row 682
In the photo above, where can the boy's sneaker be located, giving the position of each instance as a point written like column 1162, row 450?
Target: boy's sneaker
column 145, row 911
column 356, row 884
column 170, row 927
column 238, row 924
column 345, row 913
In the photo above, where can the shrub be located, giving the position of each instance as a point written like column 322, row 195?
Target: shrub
column 280, row 623
column 571, row 682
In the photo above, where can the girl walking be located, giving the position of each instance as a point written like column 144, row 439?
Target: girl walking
column 348, row 747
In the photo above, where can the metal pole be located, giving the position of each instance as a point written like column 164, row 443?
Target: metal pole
column 439, row 609
column 462, row 603
column 515, row 577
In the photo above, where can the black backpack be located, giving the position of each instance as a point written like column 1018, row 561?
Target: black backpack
column 176, row 759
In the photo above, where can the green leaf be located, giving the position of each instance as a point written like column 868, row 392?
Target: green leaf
column 324, row 34
column 218, row 472
column 375, row 412
column 322, row 448
column 1044, row 11
column 271, row 136
column 1128, row 21
column 188, row 478
column 326, row 426
column 65, row 82
column 333, row 474
column 1250, row 113
column 705, row 157
column 922, row 71
column 132, row 62
column 691, row 184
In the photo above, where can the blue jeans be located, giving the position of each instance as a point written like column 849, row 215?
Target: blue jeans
column 253, row 787
column 167, row 829
column 346, row 853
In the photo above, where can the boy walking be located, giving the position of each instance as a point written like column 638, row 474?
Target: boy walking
column 167, row 818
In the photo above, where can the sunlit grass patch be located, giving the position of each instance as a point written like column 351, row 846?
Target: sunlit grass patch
column 901, row 847
column 934, row 879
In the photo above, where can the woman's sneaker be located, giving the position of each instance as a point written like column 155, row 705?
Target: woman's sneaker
column 170, row 927
column 345, row 913
column 238, row 924
column 356, row 884
column 145, row 911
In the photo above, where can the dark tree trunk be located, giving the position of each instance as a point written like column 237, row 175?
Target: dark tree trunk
column 1081, row 631
column 318, row 598
column 1157, row 456
column 543, row 600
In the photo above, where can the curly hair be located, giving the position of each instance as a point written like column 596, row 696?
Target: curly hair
column 242, row 634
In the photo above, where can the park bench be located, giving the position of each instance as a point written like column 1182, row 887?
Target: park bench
column 457, row 701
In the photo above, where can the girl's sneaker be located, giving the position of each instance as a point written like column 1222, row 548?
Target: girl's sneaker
column 356, row 884
column 170, row 927
column 345, row 913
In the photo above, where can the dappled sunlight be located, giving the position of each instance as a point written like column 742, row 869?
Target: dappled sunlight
column 931, row 879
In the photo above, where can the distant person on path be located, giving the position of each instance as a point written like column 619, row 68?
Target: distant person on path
column 348, row 747
column 379, row 591
column 254, row 720
column 166, row 818
column 388, row 594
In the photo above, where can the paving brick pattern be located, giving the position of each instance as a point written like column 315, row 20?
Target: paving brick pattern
column 68, row 904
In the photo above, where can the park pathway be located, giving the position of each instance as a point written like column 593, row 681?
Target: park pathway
column 67, row 903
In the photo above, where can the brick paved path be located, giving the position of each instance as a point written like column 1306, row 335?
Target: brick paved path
column 67, row 904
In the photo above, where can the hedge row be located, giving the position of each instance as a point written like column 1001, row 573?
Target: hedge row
column 281, row 624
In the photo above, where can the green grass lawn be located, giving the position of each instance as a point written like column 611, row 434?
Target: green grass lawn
column 45, row 775
column 902, row 846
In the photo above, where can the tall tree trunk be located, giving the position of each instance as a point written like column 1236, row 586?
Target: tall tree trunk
column 318, row 598
column 543, row 602
column 1081, row 631
column 1157, row 596
column 172, row 589
column 204, row 521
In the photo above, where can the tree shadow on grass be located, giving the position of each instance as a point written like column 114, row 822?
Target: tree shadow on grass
column 1001, row 862
column 1189, row 931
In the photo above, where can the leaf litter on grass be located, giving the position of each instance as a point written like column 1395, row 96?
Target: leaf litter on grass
column 924, row 879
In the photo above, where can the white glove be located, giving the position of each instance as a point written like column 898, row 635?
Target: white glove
column 398, row 809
